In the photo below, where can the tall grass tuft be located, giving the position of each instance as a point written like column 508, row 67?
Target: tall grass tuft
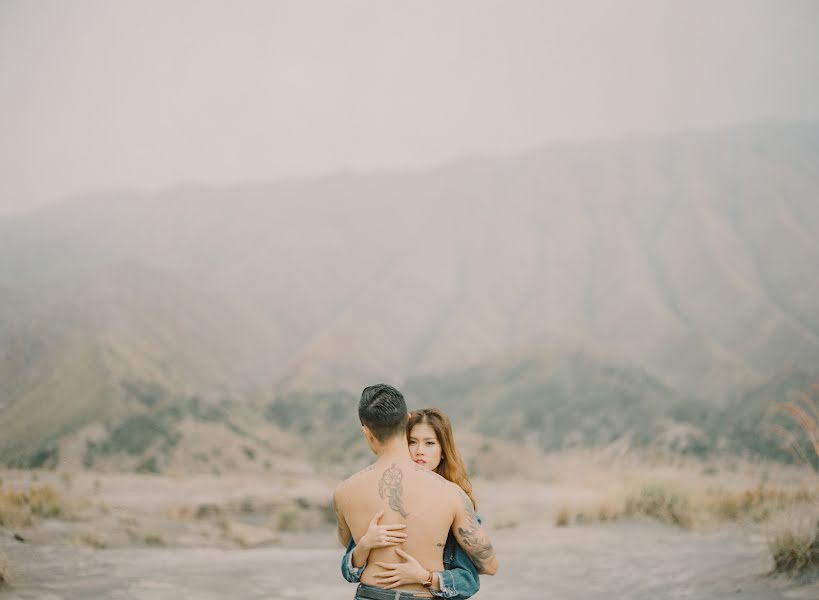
column 798, row 554
column 795, row 554
column 803, row 411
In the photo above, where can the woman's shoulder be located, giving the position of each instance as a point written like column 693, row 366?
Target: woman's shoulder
column 433, row 476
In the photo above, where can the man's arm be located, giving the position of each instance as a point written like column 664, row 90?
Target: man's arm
column 472, row 538
column 344, row 533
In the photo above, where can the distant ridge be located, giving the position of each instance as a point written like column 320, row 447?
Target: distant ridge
column 691, row 257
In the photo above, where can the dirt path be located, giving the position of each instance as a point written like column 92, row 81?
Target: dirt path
column 630, row 560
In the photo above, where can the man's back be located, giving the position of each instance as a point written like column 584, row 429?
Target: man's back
column 408, row 494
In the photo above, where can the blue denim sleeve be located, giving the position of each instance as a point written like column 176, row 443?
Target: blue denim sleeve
column 349, row 572
column 460, row 580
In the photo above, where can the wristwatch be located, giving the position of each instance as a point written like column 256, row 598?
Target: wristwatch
column 428, row 582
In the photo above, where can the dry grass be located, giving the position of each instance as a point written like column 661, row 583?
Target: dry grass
column 607, row 512
column 757, row 504
column 688, row 506
column 19, row 507
column 563, row 517
column 803, row 411
column 510, row 521
column 661, row 502
column 92, row 540
column 5, row 572
column 181, row 513
column 793, row 553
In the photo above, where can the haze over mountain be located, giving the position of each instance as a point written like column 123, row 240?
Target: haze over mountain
column 693, row 257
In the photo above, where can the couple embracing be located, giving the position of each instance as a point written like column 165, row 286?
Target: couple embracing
column 408, row 520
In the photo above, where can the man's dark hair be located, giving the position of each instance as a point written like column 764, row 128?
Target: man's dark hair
column 383, row 410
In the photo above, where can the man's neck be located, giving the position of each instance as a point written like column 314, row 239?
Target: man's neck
column 395, row 451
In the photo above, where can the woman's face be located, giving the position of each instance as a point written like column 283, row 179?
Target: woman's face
column 424, row 447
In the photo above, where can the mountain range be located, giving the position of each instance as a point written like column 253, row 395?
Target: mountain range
column 687, row 262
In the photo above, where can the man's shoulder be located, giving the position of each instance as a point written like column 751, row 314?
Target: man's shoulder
column 350, row 482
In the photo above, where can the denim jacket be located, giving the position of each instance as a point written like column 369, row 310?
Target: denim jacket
column 458, row 581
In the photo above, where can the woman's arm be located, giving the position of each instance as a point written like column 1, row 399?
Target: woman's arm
column 472, row 537
column 460, row 579
column 348, row 570
column 376, row 536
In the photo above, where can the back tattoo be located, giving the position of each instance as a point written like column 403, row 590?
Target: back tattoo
column 389, row 486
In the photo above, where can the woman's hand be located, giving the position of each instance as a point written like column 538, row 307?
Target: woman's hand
column 381, row 536
column 396, row 574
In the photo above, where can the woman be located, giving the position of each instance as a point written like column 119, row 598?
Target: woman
column 432, row 446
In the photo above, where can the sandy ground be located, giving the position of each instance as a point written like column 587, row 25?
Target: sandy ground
column 240, row 549
column 640, row 560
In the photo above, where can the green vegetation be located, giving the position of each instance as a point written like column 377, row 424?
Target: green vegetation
column 327, row 420
column 580, row 401
column 150, row 431
column 148, row 393
column 148, row 466
column 134, row 435
column 554, row 402
column 572, row 401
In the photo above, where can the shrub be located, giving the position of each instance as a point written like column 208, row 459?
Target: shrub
column 13, row 513
column 45, row 501
column 207, row 510
column 563, row 517
column 288, row 519
column 661, row 503
column 606, row 512
column 91, row 540
column 154, row 539
column 795, row 554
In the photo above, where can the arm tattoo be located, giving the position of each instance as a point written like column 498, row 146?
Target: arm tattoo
column 476, row 546
column 470, row 509
column 480, row 551
column 389, row 486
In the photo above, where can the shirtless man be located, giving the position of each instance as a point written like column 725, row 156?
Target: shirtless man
column 421, row 505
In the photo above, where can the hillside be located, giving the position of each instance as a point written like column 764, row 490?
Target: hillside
column 687, row 258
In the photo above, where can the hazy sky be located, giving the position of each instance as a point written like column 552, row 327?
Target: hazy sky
column 114, row 93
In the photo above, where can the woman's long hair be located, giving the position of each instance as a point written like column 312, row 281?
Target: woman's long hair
column 451, row 467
